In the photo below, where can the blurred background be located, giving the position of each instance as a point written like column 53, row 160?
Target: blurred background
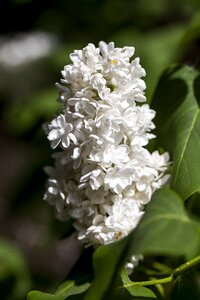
column 36, row 37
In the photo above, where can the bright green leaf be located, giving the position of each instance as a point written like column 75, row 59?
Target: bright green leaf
column 65, row 290
column 36, row 295
column 166, row 229
column 176, row 102
column 136, row 291
column 70, row 288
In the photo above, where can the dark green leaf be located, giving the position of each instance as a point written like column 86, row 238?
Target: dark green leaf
column 186, row 287
column 176, row 102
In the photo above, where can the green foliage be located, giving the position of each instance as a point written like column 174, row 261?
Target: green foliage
column 65, row 290
column 35, row 295
column 13, row 271
column 166, row 229
column 176, row 101
column 136, row 291
column 107, row 261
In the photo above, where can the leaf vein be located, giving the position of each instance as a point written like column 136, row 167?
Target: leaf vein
column 185, row 146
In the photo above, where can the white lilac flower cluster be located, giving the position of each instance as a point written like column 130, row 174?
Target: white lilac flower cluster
column 103, row 175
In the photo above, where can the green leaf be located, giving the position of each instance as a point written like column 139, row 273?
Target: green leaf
column 136, row 291
column 166, row 229
column 176, row 102
column 70, row 288
column 107, row 261
column 36, row 295
column 12, row 264
column 65, row 290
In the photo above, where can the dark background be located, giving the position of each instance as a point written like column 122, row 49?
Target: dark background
column 34, row 250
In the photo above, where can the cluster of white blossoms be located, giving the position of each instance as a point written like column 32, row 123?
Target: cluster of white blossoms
column 103, row 175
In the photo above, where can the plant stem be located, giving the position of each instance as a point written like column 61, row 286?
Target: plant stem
column 191, row 264
column 150, row 282
column 186, row 267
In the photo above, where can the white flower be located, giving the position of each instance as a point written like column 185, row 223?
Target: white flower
column 111, row 154
column 60, row 132
column 98, row 83
column 104, row 176
column 124, row 215
column 54, row 195
column 95, row 178
column 118, row 178
column 82, row 106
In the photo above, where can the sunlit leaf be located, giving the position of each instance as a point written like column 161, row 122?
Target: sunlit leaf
column 166, row 228
column 176, row 101
column 36, row 295
column 136, row 291
column 66, row 289
column 70, row 288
